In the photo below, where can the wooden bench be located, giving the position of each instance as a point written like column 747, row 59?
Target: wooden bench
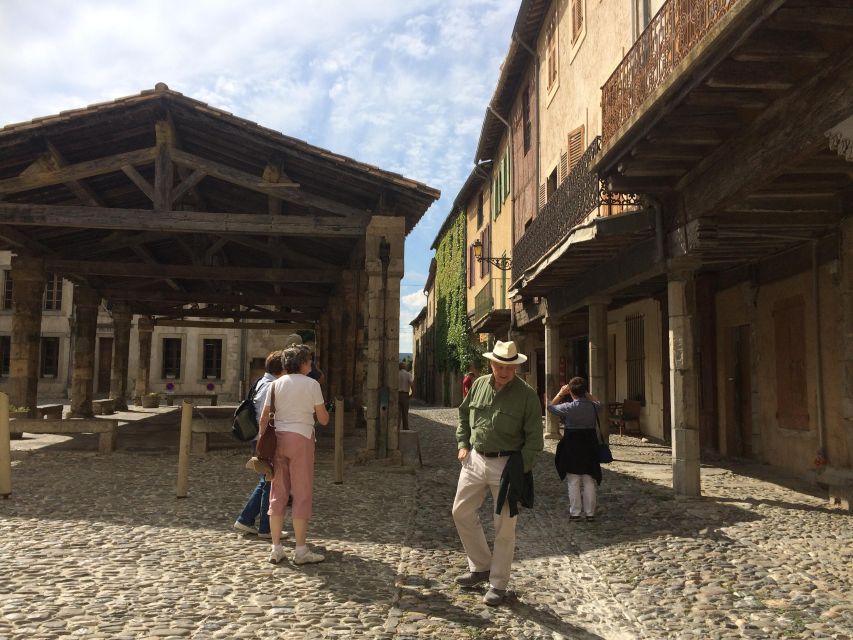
column 207, row 420
column 105, row 407
column 50, row 411
column 170, row 397
column 106, row 429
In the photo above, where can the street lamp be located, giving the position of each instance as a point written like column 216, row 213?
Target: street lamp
column 503, row 263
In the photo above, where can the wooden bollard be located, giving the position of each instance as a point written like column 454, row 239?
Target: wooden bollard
column 339, row 440
column 5, row 448
column 184, row 448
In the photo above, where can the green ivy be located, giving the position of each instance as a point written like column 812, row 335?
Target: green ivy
column 455, row 348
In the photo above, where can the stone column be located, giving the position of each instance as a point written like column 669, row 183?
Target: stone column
column 121, row 354
column 28, row 280
column 684, row 383
column 846, row 276
column 598, row 357
column 383, row 326
column 349, row 313
column 145, row 328
column 552, row 374
column 86, row 303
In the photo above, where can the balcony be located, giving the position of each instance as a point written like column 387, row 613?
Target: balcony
column 483, row 301
column 580, row 195
column 670, row 37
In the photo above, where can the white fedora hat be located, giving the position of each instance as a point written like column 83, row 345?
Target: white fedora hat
column 505, row 353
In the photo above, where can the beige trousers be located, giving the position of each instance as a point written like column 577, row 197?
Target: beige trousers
column 479, row 475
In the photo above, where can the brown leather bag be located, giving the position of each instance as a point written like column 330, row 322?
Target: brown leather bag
column 265, row 449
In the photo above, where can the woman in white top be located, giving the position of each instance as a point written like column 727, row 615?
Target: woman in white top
column 295, row 401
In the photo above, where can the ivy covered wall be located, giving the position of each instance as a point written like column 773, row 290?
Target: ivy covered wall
column 454, row 346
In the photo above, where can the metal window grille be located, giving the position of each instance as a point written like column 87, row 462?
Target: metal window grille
column 635, row 358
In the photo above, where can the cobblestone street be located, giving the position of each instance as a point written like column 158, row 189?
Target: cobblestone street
column 97, row 546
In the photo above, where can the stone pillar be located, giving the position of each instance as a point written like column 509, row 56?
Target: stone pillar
column 684, row 383
column 28, row 280
column 145, row 328
column 121, row 354
column 349, row 322
column 598, row 358
column 846, row 282
column 383, row 325
column 552, row 374
column 86, row 303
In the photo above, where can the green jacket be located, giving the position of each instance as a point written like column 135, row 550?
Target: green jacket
column 505, row 420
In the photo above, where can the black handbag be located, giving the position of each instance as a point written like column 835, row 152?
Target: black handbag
column 605, row 456
column 245, row 425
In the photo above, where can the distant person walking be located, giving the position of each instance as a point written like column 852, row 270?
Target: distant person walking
column 468, row 380
column 406, row 380
column 577, row 451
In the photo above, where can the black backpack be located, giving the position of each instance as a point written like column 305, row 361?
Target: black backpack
column 245, row 426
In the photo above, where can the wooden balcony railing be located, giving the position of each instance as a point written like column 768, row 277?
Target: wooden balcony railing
column 483, row 301
column 580, row 194
column 671, row 35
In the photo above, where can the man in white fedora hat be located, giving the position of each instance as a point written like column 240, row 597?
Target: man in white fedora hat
column 499, row 418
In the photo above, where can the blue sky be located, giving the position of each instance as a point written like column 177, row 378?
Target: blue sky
column 402, row 84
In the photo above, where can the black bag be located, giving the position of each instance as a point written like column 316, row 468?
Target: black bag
column 605, row 456
column 245, row 426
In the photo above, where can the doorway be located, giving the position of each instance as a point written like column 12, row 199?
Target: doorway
column 739, row 393
column 105, row 365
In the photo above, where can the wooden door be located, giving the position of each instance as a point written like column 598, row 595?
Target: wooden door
column 105, row 365
column 739, row 393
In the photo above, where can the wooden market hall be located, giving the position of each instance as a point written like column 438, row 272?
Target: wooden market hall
column 174, row 213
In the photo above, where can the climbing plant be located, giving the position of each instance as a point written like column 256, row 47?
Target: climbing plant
column 455, row 348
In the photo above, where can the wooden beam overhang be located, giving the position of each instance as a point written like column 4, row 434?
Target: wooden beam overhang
column 191, row 272
column 81, row 217
column 146, row 310
column 305, row 323
column 253, row 298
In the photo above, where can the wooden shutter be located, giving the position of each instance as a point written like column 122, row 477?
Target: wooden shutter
column 564, row 166
column 575, row 147
column 792, row 395
column 543, row 195
column 577, row 19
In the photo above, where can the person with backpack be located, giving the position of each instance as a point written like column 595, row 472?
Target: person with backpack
column 258, row 502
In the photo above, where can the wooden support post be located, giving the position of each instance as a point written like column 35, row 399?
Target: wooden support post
column 339, row 440
column 598, row 359
column 846, row 352
column 164, row 174
column 5, row 448
column 184, row 448
column 552, row 371
column 28, row 277
column 86, row 302
column 145, row 329
column 121, row 355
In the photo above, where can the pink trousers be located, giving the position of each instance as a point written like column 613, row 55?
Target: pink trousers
column 293, row 474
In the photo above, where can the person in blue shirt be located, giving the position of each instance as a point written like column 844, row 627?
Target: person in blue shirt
column 577, row 453
column 259, row 501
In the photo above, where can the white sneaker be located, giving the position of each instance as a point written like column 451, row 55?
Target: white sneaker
column 277, row 555
column 268, row 535
column 244, row 528
column 309, row 557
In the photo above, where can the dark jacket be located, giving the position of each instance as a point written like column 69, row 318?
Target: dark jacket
column 516, row 486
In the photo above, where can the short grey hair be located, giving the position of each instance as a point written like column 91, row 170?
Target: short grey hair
column 294, row 357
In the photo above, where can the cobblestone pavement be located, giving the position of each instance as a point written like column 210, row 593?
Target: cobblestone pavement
column 97, row 546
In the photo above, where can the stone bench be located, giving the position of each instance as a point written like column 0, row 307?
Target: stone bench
column 104, row 407
column 170, row 397
column 106, row 429
column 49, row 411
column 207, row 420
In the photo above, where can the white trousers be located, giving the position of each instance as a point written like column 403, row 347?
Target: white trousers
column 479, row 475
column 585, row 505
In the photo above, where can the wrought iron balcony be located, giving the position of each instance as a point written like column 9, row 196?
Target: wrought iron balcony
column 670, row 37
column 483, row 301
column 580, row 194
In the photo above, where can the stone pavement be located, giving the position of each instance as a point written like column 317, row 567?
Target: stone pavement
column 97, row 546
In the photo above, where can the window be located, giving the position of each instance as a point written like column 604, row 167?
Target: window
column 577, row 20
column 480, row 210
column 171, row 357
column 551, row 184
column 500, row 186
column 53, row 293
column 636, row 358
column 791, row 382
column 575, row 147
column 212, row 364
column 527, row 126
column 551, row 54
column 49, row 358
column 486, row 239
column 642, row 15
column 5, row 354
column 7, row 289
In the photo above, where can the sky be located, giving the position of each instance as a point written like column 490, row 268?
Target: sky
column 401, row 84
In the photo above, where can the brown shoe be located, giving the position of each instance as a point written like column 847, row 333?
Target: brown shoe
column 494, row 596
column 472, row 578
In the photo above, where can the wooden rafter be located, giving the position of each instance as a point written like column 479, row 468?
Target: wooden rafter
column 284, row 300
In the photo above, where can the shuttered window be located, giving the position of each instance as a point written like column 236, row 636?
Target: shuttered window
column 564, row 166
column 792, row 409
column 575, row 146
column 486, row 239
column 577, row 19
column 543, row 194
column 636, row 358
column 500, row 185
column 551, row 53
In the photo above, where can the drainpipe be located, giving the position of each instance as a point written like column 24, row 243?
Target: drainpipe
column 512, row 191
column 821, row 426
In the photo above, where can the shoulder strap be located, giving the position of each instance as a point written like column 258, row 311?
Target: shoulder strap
column 251, row 394
column 598, row 428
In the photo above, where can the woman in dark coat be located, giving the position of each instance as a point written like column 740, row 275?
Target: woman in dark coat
column 577, row 452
